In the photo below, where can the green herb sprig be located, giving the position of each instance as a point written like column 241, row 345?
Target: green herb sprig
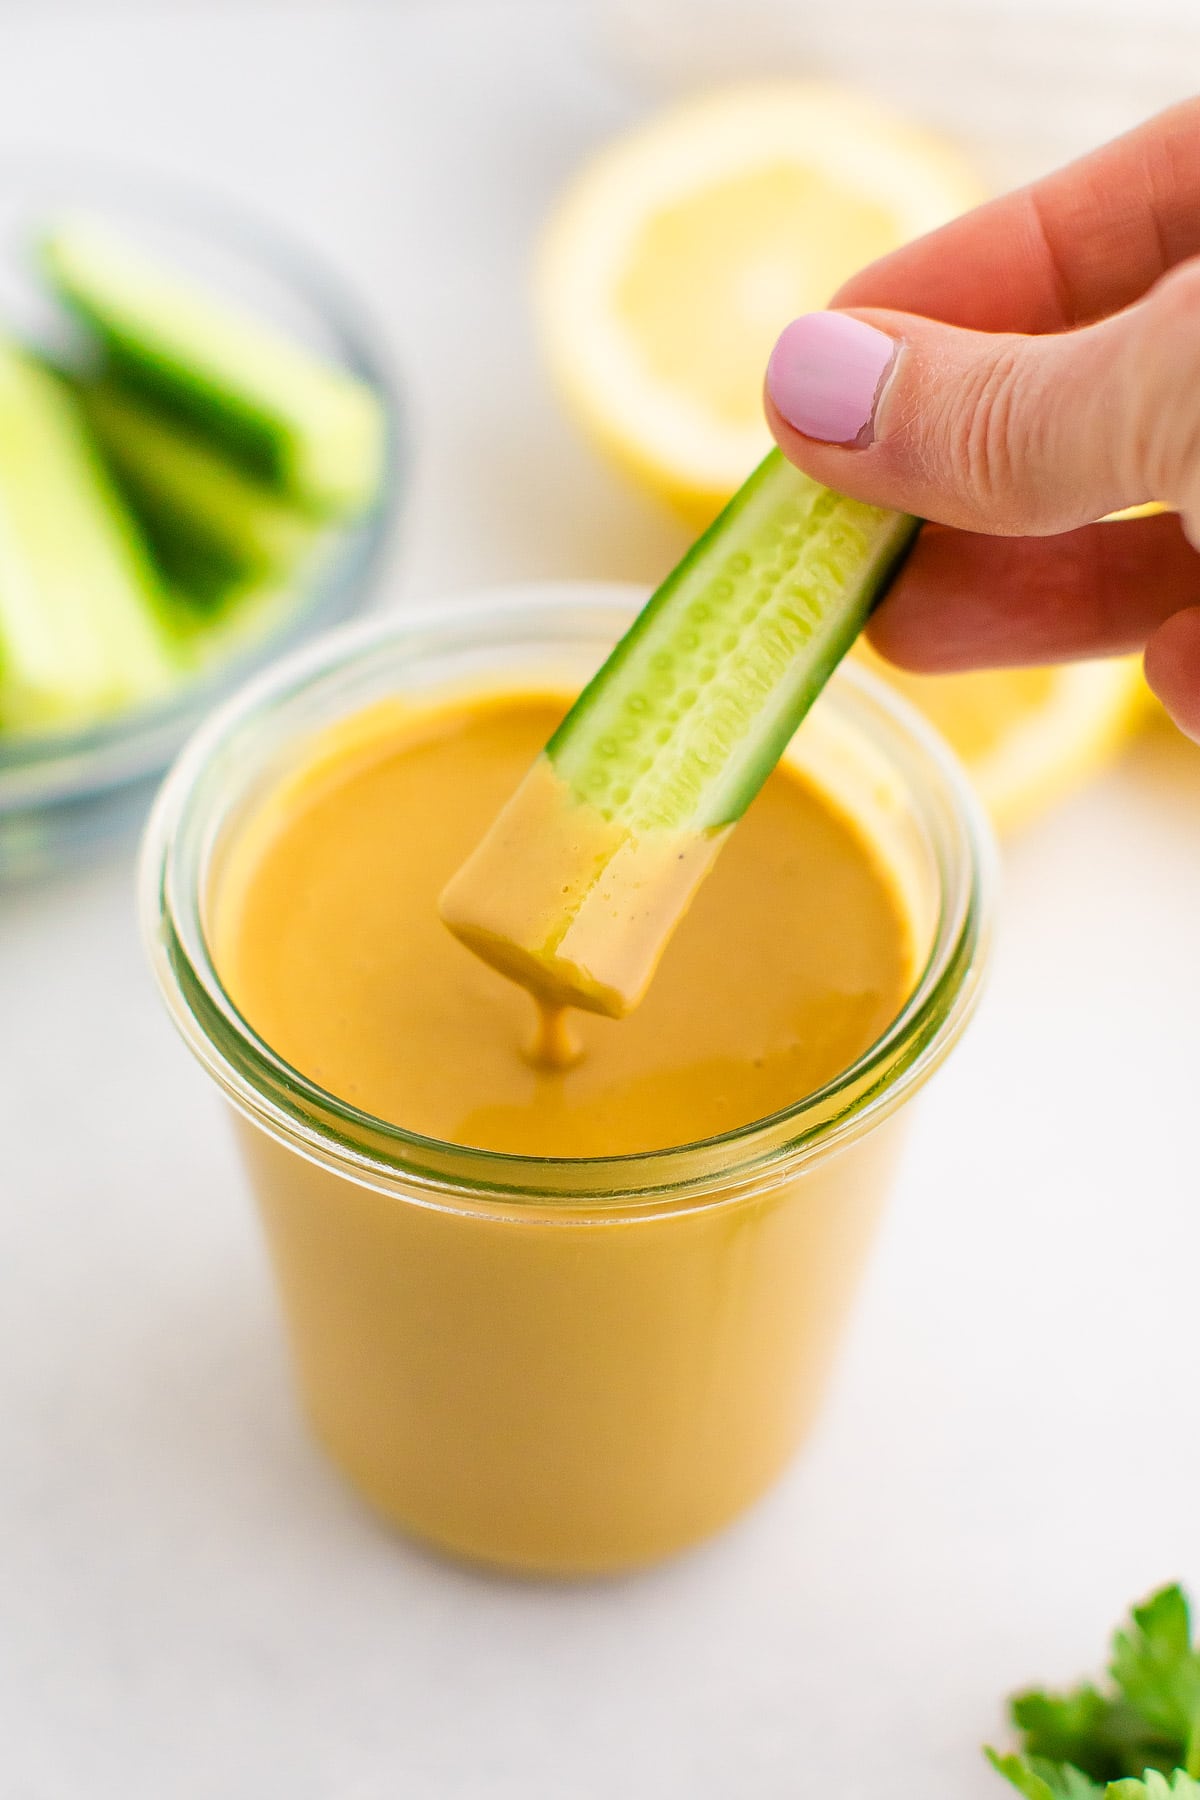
column 1137, row 1738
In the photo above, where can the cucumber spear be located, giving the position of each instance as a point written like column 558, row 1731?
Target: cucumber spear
column 210, row 525
column 578, row 885
column 291, row 417
column 85, row 624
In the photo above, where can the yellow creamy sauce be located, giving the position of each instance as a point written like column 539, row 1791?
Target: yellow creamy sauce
column 794, row 956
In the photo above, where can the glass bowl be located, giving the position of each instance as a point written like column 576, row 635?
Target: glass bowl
column 65, row 793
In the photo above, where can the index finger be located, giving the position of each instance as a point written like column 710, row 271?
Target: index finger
column 1073, row 247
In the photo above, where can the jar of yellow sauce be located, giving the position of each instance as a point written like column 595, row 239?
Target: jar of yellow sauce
column 565, row 1364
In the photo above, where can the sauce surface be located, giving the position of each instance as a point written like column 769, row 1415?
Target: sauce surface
column 794, row 957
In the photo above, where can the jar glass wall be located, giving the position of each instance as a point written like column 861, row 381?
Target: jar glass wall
column 562, row 1365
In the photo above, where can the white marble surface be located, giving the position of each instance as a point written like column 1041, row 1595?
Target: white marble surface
column 191, row 1605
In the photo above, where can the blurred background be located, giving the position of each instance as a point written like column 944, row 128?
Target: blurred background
column 420, row 147
column 189, row 1603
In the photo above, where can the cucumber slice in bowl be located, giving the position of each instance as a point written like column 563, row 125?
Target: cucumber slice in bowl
column 577, row 887
column 199, row 511
column 85, row 624
column 290, row 418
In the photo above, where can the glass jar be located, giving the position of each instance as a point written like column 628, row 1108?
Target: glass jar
column 562, row 1365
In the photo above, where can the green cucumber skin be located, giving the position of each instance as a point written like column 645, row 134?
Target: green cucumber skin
column 256, row 444
column 697, row 703
column 266, row 403
column 211, row 527
column 229, row 623
column 228, row 551
column 260, row 444
column 85, row 623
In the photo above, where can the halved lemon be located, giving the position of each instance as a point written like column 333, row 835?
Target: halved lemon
column 1028, row 737
column 682, row 250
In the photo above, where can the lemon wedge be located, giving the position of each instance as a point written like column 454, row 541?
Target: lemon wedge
column 679, row 254
column 1028, row 737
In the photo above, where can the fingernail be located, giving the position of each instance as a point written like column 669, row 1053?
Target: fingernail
column 827, row 374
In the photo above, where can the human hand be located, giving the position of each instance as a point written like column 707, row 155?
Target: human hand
column 1061, row 382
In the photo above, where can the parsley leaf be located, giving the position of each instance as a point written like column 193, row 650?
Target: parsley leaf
column 1040, row 1779
column 1138, row 1741
column 1156, row 1786
column 1097, row 1734
column 1156, row 1669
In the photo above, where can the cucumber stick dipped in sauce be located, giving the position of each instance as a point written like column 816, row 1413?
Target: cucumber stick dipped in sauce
column 578, row 885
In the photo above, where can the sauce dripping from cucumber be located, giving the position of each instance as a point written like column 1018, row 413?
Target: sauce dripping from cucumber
column 577, row 887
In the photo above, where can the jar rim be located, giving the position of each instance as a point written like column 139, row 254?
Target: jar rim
column 316, row 1124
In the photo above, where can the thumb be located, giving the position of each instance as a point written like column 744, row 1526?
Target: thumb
column 999, row 432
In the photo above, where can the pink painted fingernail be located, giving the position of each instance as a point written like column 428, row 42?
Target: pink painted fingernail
column 827, row 374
